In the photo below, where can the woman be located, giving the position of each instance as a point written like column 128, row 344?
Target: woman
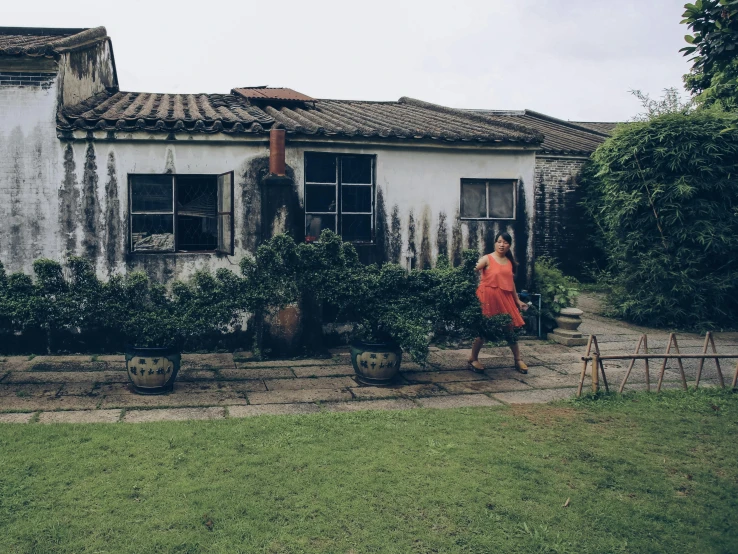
column 497, row 294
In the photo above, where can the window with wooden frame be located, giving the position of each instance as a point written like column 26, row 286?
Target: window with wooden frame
column 488, row 198
column 339, row 195
column 181, row 213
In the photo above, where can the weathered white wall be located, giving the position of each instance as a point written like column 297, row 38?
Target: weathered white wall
column 30, row 169
column 86, row 72
column 426, row 182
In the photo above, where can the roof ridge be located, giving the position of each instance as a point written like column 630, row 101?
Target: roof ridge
column 536, row 135
column 544, row 116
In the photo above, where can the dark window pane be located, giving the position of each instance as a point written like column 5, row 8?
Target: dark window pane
column 356, row 169
column 473, row 199
column 356, row 227
column 314, row 224
column 151, row 193
column 152, row 233
column 356, row 199
column 320, row 198
column 197, row 196
column 197, row 233
column 501, row 196
column 320, row 168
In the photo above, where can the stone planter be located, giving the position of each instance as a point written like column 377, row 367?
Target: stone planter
column 376, row 364
column 152, row 370
column 566, row 332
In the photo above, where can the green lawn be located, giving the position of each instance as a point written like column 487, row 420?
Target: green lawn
column 643, row 474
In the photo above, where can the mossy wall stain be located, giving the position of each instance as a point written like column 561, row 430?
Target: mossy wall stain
column 17, row 183
column 473, row 235
column 90, row 205
column 380, row 230
column 169, row 162
column 112, row 217
column 412, row 253
column 442, row 235
column 522, row 253
column 457, row 241
column 248, row 177
column 394, row 243
column 425, row 258
column 69, row 203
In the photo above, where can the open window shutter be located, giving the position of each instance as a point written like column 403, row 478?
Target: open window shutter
column 225, row 213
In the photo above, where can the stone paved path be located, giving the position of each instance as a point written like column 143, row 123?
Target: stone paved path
column 94, row 389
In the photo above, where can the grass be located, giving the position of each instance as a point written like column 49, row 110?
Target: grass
column 642, row 474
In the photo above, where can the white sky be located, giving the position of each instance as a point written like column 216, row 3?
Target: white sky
column 572, row 59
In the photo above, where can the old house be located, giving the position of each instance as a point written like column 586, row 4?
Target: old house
column 170, row 183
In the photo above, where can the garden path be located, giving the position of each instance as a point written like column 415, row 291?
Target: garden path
column 48, row 389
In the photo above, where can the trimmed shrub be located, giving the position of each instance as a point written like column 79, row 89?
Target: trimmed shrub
column 556, row 289
column 666, row 202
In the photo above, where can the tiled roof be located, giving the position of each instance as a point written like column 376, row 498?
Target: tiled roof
column 33, row 41
column 406, row 119
column 271, row 93
column 606, row 127
column 560, row 137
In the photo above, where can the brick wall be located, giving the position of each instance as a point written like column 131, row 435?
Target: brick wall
column 26, row 79
column 555, row 201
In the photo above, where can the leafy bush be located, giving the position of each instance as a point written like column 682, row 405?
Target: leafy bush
column 666, row 200
column 384, row 302
column 556, row 289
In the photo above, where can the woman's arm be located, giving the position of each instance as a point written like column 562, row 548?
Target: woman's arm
column 522, row 305
column 482, row 263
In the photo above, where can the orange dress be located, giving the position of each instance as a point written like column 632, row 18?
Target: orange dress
column 496, row 291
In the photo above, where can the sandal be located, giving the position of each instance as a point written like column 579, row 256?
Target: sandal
column 478, row 368
column 521, row 366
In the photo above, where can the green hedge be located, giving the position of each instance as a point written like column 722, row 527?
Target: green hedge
column 67, row 308
column 665, row 199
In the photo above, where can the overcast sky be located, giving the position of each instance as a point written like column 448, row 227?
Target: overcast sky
column 572, row 59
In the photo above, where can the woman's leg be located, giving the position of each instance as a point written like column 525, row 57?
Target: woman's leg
column 474, row 359
column 520, row 365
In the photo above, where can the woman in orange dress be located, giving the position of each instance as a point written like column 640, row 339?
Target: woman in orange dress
column 497, row 294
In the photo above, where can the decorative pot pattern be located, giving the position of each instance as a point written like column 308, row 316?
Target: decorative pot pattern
column 152, row 370
column 376, row 363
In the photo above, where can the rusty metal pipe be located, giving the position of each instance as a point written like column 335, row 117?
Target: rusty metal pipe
column 276, row 152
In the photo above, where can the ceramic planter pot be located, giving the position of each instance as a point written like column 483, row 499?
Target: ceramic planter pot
column 376, row 363
column 152, row 370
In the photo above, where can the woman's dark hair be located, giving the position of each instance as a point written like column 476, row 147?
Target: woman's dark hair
column 508, row 239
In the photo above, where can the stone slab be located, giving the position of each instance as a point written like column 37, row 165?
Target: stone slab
column 83, row 416
column 207, row 361
column 444, row 376
column 290, row 363
column 174, row 414
column 36, row 389
column 567, row 341
column 535, row 396
column 119, row 358
column 458, row 401
column 132, row 400
column 373, row 393
column 554, row 380
column 79, row 389
column 16, row 363
column 196, row 375
column 497, row 385
column 48, row 403
column 323, row 371
column 299, row 396
column 357, row 406
column 199, row 387
column 273, row 409
column 68, row 377
column 60, row 364
column 255, row 373
column 16, row 418
column 316, row 383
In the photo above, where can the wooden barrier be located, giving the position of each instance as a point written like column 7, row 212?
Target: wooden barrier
column 594, row 355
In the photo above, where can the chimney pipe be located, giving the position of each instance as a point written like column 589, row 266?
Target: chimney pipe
column 276, row 152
